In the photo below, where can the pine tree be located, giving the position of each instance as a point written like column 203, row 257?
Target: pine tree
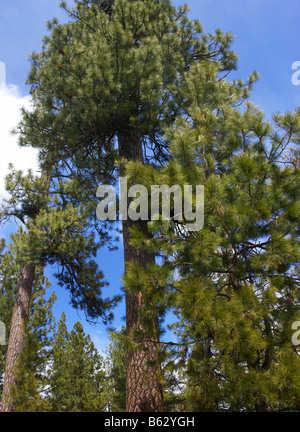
column 77, row 376
column 31, row 366
column 110, row 79
column 30, row 392
column 45, row 222
column 235, row 282
column 116, row 356
column 30, row 206
column 116, row 369
column 8, row 280
column 48, row 379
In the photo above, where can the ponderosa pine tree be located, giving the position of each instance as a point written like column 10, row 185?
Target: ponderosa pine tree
column 16, row 344
column 116, row 374
column 235, row 283
column 31, row 366
column 50, row 232
column 104, row 86
column 57, row 371
column 8, row 281
column 8, row 275
column 29, row 393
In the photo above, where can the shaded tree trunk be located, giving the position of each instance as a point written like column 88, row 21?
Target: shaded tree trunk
column 144, row 391
column 261, row 407
column 16, row 342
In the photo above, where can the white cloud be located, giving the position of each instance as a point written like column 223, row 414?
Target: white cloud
column 99, row 338
column 11, row 101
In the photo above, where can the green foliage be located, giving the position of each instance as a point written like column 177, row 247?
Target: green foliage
column 52, row 232
column 77, row 377
column 32, row 364
column 142, row 68
column 235, row 282
column 116, row 357
column 58, row 370
column 106, row 73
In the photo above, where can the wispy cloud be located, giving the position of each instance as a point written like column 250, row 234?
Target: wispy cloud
column 11, row 102
column 100, row 339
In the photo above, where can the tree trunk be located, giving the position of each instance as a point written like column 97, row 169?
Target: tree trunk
column 261, row 407
column 143, row 386
column 17, row 333
column 16, row 342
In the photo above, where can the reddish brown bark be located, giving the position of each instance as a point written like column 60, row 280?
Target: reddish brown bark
column 143, row 387
column 17, row 333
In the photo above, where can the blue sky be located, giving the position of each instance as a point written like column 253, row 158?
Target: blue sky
column 267, row 39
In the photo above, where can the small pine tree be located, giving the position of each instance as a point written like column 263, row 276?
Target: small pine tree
column 116, row 357
column 77, row 375
column 30, row 392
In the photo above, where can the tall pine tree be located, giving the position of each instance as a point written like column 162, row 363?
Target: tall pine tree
column 104, row 86
column 234, row 285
